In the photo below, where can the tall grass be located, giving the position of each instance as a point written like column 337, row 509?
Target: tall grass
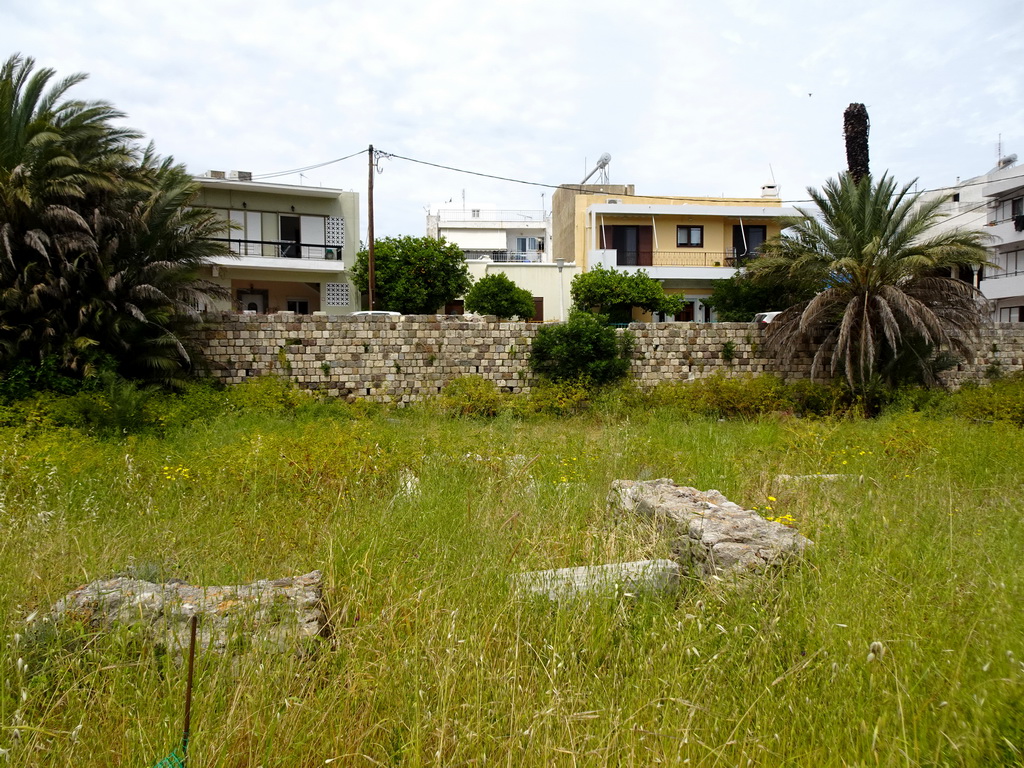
column 434, row 661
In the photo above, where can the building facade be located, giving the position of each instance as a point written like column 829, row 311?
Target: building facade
column 687, row 243
column 293, row 245
column 516, row 243
column 992, row 203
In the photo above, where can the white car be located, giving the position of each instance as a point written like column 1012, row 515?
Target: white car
column 763, row 318
column 376, row 313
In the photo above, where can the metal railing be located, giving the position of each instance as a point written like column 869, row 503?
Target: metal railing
column 278, row 249
column 517, row 257
column 684, row 257
column 477, row 214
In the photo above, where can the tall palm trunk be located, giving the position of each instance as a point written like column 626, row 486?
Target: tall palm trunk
column 856, row 126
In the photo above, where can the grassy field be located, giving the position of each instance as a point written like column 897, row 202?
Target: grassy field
column 434, row 661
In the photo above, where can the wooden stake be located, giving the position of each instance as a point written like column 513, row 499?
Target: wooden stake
column 188, row 690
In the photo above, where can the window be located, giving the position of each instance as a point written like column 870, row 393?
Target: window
column 526, row 244
column 956, row 197
column 298, row 306
column 1011, row 314
column 689, row 236
column 1017, row 207
column 246, row 226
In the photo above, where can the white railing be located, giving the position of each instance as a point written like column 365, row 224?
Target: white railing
column 477, row 214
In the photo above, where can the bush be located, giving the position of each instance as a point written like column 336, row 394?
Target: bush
column 559, row 398
column 584, row 348
column 266, row 394
column 1002, row 400
column 747, row 397
column 497, row 295
column 471, row 396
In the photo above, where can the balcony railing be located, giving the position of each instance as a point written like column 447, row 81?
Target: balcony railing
column 506, row 257
column 277, row 249
column 476, row 214
column 683, row 257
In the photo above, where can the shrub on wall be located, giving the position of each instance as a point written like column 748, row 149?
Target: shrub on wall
column 497, row 295
column 584, row 347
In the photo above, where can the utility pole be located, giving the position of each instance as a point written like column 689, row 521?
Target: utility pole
column 371, row 278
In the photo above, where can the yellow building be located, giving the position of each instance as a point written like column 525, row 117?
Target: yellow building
column 294, row 245
column 687, row 243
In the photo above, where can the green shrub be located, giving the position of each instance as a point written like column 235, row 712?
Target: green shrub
column 471, row 396
column 585, row 347
column 25, row 379
column 750, row 396
column 563, row 397
column 1001, row 400
column 497, row 295
column 266, row 394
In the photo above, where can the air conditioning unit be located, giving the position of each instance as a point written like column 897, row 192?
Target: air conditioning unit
column 240, row 175
column 216, row 174
column 613, row 200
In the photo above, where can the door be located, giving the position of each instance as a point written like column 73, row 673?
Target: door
column 253, row 303
column 626, row 241
column 747, row 240
column 290, row 236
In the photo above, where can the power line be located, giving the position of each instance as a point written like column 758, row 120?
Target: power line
column 308, row 167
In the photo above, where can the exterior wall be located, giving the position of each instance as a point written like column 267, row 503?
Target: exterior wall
column 261, row 267
column 566, row 228
column 717, row 228
column 1004, row 284
column 276, row 200
column 541, row 280
column 412, row 358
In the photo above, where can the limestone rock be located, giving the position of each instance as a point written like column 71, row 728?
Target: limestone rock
column 640, row 576
column 276, row 613
column 713, row 536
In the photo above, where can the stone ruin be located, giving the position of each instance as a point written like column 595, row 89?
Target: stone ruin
column 280, row 613
column 711, row 538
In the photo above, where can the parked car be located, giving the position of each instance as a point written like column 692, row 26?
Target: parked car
column 376, row 313
column 763, row 318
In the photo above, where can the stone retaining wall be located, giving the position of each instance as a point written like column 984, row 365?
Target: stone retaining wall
column 413, row 357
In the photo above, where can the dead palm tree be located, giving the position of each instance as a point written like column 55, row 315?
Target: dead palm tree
column 886, row 291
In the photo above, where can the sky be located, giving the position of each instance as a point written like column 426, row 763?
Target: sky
column 689, row 98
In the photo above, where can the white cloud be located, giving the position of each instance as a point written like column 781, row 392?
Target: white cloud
column 688, row 98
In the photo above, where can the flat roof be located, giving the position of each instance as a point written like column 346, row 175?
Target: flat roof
column 267, row 187
column 692, row 209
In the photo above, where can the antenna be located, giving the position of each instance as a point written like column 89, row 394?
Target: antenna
column 772, row 172
column 602, row 166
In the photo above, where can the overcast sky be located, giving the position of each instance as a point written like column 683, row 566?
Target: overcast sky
column 689, row 98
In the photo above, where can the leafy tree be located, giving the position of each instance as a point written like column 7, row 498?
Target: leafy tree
column 99, row 249
column 613, row 292
column 739, row 298
column 414, row 275
column 497, row 295
column 885, row 295
column 584, row 347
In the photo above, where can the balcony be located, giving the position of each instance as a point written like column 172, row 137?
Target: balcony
column 281, row 249
column 491, row 217
column 683, row 257
column 1007, row 231
column 502, row 256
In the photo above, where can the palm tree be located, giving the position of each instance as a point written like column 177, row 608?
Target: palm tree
column 99, row 245
column 886, row 294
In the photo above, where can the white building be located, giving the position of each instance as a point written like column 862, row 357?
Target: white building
column 294, row 245
column 514, row 242
column 994, row 204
